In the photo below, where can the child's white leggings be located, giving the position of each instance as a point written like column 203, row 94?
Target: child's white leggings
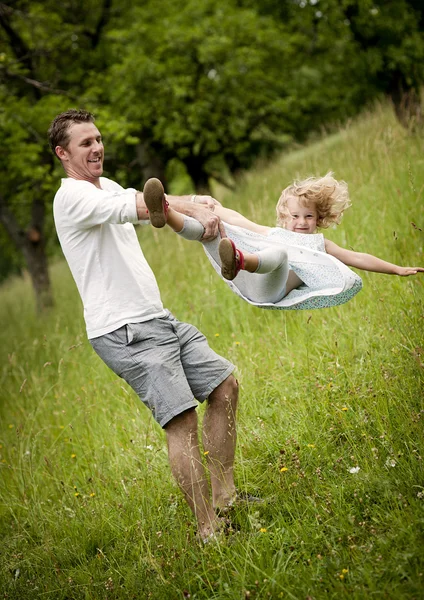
column 192, row 230
column 268, row 283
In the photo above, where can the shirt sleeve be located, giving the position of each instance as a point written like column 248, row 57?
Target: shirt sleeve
column 86, row 206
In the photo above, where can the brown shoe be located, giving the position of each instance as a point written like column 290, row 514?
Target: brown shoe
column 155, row 201
column 232, row 260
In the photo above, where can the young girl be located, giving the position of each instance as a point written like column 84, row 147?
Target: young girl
column 285, row 267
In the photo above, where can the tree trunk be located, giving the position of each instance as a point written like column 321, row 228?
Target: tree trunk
column 151, row 163
column 32, row 245
column 36, row 260
column 195, row 166
column 406, row 102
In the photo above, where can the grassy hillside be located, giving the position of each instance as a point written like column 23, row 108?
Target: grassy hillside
column 330, row 420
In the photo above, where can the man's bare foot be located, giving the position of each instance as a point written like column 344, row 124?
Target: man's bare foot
column 216, row 532
column 239, row 499
column 155, row 201
column 207, row 530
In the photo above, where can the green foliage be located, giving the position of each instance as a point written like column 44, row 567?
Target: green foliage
column 204, row 85
column 202, row 89
column 217, row 86
column 88, row 508
column 390, row 37
column 40, row 74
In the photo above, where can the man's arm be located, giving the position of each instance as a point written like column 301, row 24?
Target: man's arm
column 368, row 262
column 202, row 209
column 84, row 205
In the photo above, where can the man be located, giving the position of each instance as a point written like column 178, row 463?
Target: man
column 166, row 362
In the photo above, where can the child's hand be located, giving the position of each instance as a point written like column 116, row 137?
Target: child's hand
column 406, row 271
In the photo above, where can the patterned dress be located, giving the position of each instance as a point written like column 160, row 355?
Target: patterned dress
column 326, row 281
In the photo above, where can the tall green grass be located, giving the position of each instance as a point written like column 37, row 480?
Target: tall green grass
column 88, row 506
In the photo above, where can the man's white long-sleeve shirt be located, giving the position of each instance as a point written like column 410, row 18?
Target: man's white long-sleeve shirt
column 96, row 232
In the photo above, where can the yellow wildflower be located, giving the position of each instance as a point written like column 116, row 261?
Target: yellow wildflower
column 283, row 469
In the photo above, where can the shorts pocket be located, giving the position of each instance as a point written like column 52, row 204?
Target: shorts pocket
column 134, row 334
column 141, row 332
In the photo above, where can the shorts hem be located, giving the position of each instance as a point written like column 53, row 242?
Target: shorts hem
column 202, row 397
column 165, row 420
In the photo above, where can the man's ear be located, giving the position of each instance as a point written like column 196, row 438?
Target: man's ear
column 61, row 152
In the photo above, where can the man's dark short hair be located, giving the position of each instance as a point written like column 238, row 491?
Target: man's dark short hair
column 58, row 132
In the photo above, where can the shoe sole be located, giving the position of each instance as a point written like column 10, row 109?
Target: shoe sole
column 154, row 196
column 228, row 259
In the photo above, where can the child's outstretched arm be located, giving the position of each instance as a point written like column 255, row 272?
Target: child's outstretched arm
column 232, row 217
column 368, row 262
column 209, row 212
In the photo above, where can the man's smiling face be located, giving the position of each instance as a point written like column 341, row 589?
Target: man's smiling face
column 83, row 157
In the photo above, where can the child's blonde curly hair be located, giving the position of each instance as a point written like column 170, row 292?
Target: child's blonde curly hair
column 329, row 197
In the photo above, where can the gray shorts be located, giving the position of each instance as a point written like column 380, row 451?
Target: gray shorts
column 167, row 363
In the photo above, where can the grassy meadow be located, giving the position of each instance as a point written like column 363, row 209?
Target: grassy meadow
column 331, row 417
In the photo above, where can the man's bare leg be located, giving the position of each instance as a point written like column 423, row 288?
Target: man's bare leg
column 188, row 470
column 219, row 440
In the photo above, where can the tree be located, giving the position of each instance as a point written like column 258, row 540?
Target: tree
column 212, row 85
column 38, row 78
column 204, row 84
column 390, row 36
column 217, row 85
column 25, row 168
column 384, row 53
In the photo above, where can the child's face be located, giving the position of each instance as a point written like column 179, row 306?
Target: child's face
column 303, row 219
